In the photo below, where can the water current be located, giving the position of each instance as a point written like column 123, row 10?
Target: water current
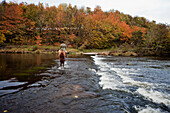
column 147, row 78
column 87, row 84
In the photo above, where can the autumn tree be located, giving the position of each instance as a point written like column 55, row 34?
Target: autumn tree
column 49, row 31
column 79, row 27
column 2, row 38
column 157, row 37
column 12, row 22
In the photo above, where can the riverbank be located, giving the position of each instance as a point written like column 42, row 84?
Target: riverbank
column 24, row 49
column 35, row 49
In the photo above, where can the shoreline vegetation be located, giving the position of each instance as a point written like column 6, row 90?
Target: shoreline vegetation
column 36, row 49
column 31, row 28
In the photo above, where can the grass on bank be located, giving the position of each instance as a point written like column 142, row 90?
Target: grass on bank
column 49, row 49
column 123, row 50
column 95, row 50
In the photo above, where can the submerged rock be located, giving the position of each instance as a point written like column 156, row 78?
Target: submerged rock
column 73, row 91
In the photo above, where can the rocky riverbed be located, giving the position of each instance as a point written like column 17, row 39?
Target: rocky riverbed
column 87, row 84
column 74, row 89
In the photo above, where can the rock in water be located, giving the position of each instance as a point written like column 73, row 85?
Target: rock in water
column 74, row 91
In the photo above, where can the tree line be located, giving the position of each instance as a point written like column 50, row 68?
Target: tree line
column 30, row 24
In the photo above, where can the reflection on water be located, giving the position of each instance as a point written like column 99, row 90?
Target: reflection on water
column 128, row 84
column 18, row 70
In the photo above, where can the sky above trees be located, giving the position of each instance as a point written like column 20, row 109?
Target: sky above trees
column 157, row 10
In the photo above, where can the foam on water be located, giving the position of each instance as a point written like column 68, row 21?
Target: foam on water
column 66, row 65
column 155, row 96
column 62, row 68
column 123, row 73
column 93, row 70
column 107, row 80
column 110, row 80
column 148, row 109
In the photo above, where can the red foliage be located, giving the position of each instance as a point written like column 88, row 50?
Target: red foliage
column 39, row 40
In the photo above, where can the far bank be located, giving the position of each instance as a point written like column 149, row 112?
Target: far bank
column 117, row 51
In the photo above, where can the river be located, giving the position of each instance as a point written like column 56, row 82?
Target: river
column 146, row 79
column 87, row 84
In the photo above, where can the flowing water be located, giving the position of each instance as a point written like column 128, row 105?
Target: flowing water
column 147, row 79
column 87, row 84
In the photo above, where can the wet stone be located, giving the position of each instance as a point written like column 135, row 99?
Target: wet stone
column 71, row 90
column 45, row 74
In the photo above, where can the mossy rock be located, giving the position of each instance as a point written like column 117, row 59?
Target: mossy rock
column 34, row 69
column 38, row 68
column 37, row 51
column 21, row 74
column 29, row 71
column 30, row 49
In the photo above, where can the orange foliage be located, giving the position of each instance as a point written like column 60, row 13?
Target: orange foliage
column 72, row 36
column 70, row 46
column 12, row 18
column 126, row 31
column 113, row 18
column 57, row 44
column 99, row 16
column 39, row 40
column 100, row 28
column 136, row 28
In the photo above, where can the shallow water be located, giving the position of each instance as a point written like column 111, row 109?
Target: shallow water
column 36, row 83
column 17, row 71
column 147, row 79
